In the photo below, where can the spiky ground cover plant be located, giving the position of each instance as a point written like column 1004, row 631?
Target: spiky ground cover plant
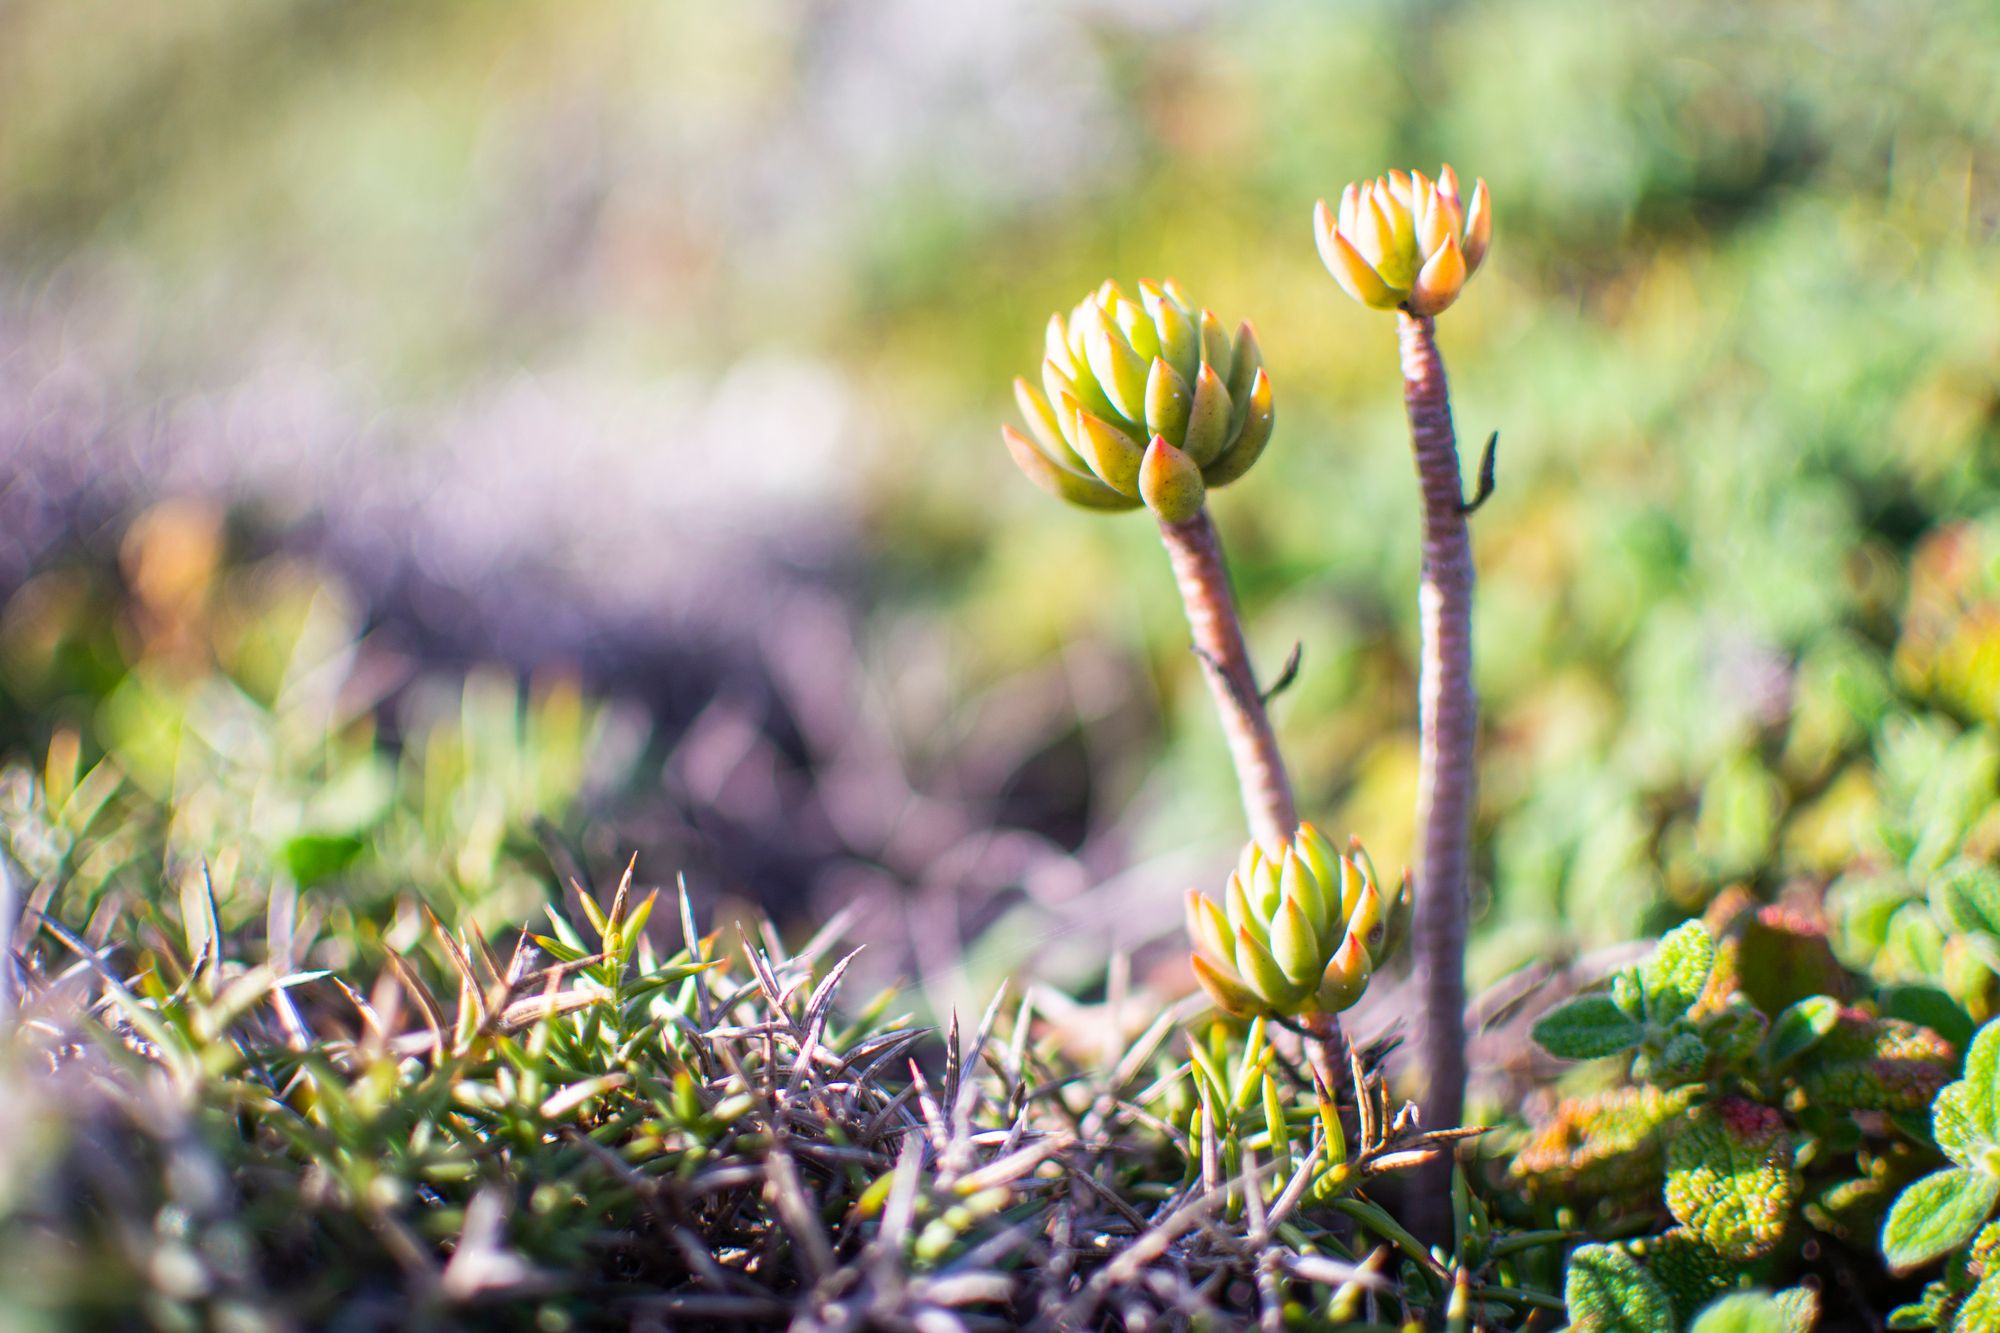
column 590, row 1129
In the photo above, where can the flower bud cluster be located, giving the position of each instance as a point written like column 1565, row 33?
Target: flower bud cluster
column 1147, row 402
column 1405, row 240
column 1297, row 933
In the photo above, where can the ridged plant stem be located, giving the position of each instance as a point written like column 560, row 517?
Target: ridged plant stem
column 1449, row 712
column 1196, row 553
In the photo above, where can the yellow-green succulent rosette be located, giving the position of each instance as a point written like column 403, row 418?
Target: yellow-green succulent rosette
column 1149, row 402
column 1298, row 933
column 1405, row 240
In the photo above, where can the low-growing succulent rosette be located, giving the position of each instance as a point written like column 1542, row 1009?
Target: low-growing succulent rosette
column 1147, row 402
column 1296, row 934
column 1405, row 240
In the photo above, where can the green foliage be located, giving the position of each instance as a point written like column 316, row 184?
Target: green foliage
column 1730, row 1179
column 1937, row 1215
column 1609, row 1291
column 1945, row 1214
column 1588, row 1027
column 1748, row 1129
column 1795, row 1311
column 1672, row 978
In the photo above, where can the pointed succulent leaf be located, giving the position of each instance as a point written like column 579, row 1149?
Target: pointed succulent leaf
column 1320, row 856
column 1357, row 873
column 1936, row 1215
column 1225, row 988
column 1119, row 370
column 1265, row 890
column 1609, row 1291
column 1085, row 492
column 1215, row 348
column 1168, row 402
column 1440, row 280
column 1369, row 917
column 1137, row 326
column 1180, row 340
column 1295, row 944
column 1478, row 227
column 1208, row 417
column 1256, row 966
column 1209, row 929
column 1056, row 350
column 1248, row 445
column 1677, row 972
column 1241, row 912
column 1169, row 481
column 1297, row 881
column 1249, row 859
column 1346, row 976
column 1112, row 454
column 1356, row 276
column 1587, row 1027
column 1042, row 427
column 1245, row 360
column 1067, row 393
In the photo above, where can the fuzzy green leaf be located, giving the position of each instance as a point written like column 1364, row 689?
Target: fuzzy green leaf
column 1608, row 1291
column 1744, row 1312
column 1982, row 1072
column 1673, row 978
column 1982, row 1309
column 1800, row 1307
column 1967, row 896
column 1799, row 1028
column 1937, row 1215
column 1928, row 1006
column 1956, row 1124
column 1586, row 1028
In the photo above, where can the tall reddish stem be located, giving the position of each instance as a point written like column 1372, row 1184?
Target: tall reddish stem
column 1450, row 723
column 1196, row 553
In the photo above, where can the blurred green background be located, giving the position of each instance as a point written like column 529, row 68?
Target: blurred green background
column 698, row 320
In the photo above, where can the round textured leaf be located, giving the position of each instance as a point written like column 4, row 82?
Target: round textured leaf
column 1956, row 1124
column 1937, row 1215
column 1586, row 1028
column 1676, row 973
column 1729, row 1177
column 1608, row 1291
column 1982, row 1310
column 1982, row 1072
column 1744, row 1312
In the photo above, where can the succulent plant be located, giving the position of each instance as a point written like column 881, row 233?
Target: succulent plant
column 1298, row 933
column 1404, row 240
column 1147, row 402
